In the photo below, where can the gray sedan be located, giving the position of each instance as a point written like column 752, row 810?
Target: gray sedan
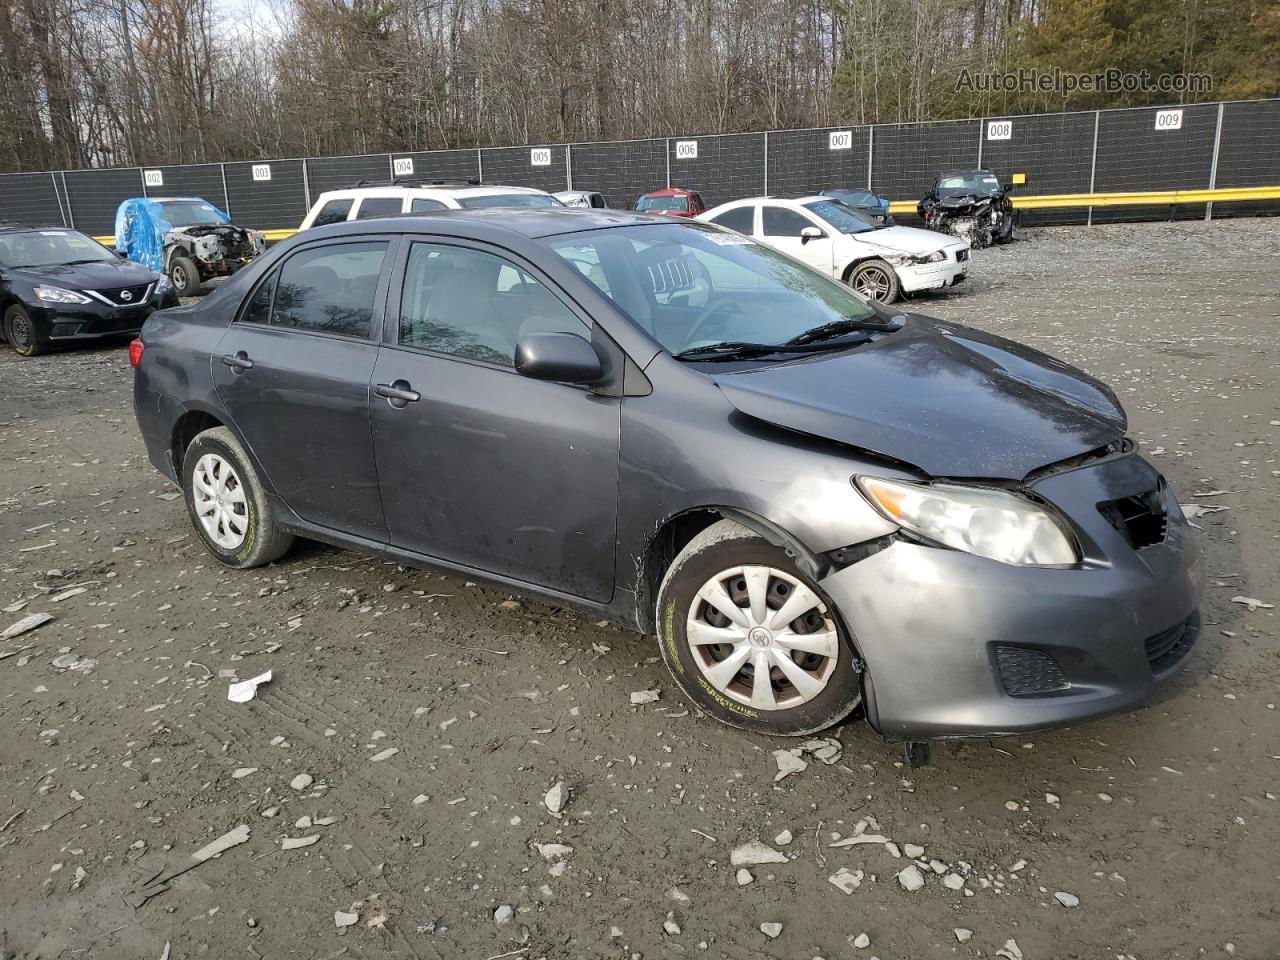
column 815, row 503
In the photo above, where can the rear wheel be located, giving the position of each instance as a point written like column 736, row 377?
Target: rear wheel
column 20, row 332
column 750, row 640
column 875, row 280
column 185, row 276
column 228, row 503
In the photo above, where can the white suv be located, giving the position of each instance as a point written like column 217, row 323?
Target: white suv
column 879, row 262
column 417, row 196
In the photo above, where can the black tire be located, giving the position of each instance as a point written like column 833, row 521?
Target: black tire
column 264, row 542
column 719, row 548
column 20, row 332
column 879, row 279
column 185, row 276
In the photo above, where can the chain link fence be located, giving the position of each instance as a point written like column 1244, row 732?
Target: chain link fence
column 1197, row 146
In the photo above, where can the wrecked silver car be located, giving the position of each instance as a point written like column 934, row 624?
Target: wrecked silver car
column 186, row 238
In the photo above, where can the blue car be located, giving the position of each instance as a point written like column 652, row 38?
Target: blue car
column 864, row 201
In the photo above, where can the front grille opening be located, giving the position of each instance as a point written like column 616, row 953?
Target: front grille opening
column 1029, row 673
column 1168, row 648
column 1141, row 519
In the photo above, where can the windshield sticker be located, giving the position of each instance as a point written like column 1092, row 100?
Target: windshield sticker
column 730, row 239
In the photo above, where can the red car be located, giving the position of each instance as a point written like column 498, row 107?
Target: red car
column 672, row 202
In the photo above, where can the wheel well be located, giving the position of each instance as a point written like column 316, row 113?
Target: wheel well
column 674, row 535
column 671, row 538
column 189, row 425
column 854, row 265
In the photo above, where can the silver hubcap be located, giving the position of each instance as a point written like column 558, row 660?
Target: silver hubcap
column 220, row 501
column 872, row 283
column 763, row 638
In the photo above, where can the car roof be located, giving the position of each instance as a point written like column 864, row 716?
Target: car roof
column 963, row 173
column 670, row 192
column 493, row 223
column 172, row 199
column 396, row 189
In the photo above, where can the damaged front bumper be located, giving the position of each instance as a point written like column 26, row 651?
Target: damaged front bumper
column 957, row 645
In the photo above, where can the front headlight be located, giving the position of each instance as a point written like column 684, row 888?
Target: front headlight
column 991, row 523
column 936, row 257
column 59, row 295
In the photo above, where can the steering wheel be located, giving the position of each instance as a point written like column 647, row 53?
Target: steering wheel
column 716, row 306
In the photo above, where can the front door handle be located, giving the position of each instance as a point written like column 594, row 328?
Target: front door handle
column 240, row 361
column 399, row 394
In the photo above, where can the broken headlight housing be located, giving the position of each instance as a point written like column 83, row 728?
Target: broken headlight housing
column 936, row 257
column 989, row 522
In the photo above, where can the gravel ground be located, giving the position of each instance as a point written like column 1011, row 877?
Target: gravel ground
column 430, row 717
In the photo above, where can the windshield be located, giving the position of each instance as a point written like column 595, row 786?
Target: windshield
column 48, row 248
column 842, row 217
column 188, row 213
column 667, row 202
column 854, row 198
column 692, row 285
column 510, row 200
column 969, row 183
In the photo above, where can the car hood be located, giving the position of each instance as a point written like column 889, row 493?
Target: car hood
column 99, row 275
column 907, row 240
column 953, row 401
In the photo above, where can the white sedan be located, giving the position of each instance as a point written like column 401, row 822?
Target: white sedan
column 879, row 262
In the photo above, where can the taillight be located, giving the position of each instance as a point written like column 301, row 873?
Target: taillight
column 135, row 352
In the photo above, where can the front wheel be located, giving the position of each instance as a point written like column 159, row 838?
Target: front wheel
column 875, row 280
column 228, row 503
column 750, row 640
column 20, row 332
column 185, row 276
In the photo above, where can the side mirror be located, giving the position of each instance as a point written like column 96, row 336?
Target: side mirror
column 561, row 357
column 1006, row 187
column 811, row 233
column 122, row 254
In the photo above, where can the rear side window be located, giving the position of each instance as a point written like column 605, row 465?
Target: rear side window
column 329, row 289
column 425, row 205
column 378, row 207
column 741, row 219
column 258, row 309
column 781, row 222
column 335, row 211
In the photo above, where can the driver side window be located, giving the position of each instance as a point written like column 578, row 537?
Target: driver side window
column 781, row 222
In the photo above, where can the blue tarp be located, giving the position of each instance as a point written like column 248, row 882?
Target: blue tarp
column 141, row 226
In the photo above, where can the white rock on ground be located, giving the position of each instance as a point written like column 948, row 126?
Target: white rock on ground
column 861, row 941
column 302, row 781
column 789, row 762
column 783, row 838
column 963, row 934
column 913, row 850
column 911, row 878
column 671, row 928
column 846, row 880
column 953, row 881
column 554, row 851
column 556, row 798
column 1067, row 899
column 678, row 895
column 744, row 876
column 343, row 919
column 645, row 696
column 755, row 853
column 293, row 843
column 503, row 915
column 1010, row 950
column 386, row 754
column 771, row 930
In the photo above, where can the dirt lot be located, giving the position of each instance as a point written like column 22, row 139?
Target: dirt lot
column 122, row 754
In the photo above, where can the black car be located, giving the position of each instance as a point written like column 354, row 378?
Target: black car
column 864, row 201
column 971, row 204
column 58, row 285
column 814, row 501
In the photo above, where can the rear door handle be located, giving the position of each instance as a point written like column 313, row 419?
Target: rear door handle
column 240, row 361
column 398, row 394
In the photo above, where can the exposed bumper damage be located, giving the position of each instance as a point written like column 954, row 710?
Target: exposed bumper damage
column 957, row 645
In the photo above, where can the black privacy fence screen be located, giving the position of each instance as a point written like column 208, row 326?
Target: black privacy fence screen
column 1142, row 163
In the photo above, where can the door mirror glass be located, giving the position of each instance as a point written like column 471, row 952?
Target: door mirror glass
column 562, row 357
column 811, row 233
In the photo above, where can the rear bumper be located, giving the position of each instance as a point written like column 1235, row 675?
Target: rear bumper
column 156, row 414
column 930, row 624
